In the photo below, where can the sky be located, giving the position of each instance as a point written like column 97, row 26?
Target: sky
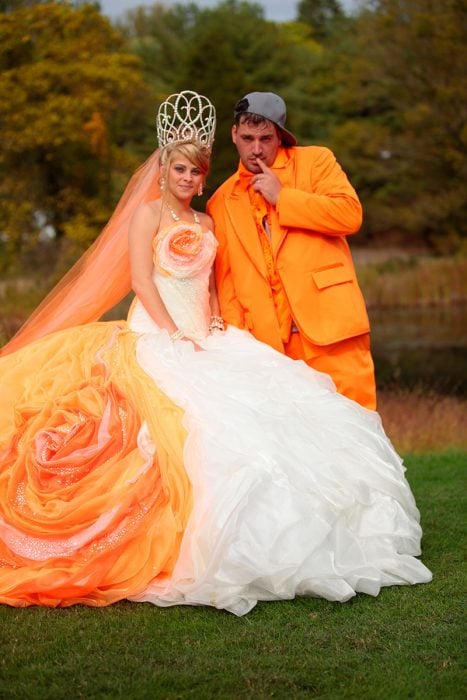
column 279, row 10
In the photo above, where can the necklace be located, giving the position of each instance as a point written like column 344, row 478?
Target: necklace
column 176, row 217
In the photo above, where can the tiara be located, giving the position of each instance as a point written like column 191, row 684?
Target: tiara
column 186, row 116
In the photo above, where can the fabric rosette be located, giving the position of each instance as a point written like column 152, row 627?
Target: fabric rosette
column 89, row 511
column 183, row 250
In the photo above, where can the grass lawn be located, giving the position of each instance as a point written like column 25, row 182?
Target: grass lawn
column 407, row 643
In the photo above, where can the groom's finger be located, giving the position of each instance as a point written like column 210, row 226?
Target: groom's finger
column 263, row 166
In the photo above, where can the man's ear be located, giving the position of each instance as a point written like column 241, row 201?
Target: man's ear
column 234, row 134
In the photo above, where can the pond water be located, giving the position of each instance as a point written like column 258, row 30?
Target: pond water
column 421, row 347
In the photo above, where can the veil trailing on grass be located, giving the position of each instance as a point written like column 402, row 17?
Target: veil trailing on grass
column 101, row 277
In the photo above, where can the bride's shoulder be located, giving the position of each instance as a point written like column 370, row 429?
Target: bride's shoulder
column 146, row 213
column 145, row 220
column 206, row 221
column 151, row 209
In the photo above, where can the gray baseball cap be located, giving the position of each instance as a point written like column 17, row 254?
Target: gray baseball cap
column 271, row 107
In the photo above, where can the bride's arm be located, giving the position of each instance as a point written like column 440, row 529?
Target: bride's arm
column 213, row 297
column 142, row 230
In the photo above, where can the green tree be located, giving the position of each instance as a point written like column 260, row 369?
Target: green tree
column 254, row 54
column 72, row 101
column 222, row 52
column 404, row 114
column 160, row 35
column 321, row 15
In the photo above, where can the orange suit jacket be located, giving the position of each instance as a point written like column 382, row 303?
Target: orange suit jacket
column 317, row 208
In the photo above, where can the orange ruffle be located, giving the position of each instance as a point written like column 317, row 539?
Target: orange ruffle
column 92, row 508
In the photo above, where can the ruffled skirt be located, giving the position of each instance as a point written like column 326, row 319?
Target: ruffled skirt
column 94, row 496
column 134, row 467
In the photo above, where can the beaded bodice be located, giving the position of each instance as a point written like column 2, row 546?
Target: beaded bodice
column 183, row 258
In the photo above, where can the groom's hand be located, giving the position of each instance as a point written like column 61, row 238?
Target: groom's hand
column 267, row 183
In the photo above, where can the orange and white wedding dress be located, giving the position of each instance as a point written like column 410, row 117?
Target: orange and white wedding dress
column 133, row 467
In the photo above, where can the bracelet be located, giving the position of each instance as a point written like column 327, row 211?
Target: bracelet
column 176, row 335
column 216, row 324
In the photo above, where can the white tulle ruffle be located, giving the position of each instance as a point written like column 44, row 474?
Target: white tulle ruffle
column 297, row 490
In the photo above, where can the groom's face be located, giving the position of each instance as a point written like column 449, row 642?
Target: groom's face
column 256, row 142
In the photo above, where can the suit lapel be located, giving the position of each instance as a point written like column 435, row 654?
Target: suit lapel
column 286, row 174
column 245, row 228
column 238, row 202
column 278, row 236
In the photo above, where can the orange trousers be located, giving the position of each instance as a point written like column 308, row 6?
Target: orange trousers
column 348, row 362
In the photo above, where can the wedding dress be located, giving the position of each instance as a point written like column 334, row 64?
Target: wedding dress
column 135, row 467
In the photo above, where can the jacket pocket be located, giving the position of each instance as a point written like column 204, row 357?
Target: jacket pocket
column 328, row 276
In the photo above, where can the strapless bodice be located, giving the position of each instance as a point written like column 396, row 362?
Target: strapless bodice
column 183, row 258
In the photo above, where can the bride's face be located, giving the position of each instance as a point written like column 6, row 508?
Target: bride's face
column 183, row 178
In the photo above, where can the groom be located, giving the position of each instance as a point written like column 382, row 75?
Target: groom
column 284, row 269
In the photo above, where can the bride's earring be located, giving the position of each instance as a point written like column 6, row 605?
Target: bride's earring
column 162, row 183
column 200, row 190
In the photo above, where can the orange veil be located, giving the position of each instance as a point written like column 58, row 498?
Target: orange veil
column 101, row 277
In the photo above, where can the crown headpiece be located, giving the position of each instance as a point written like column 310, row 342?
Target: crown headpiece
column 186, row 116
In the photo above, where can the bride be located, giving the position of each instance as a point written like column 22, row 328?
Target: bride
column 168, row 459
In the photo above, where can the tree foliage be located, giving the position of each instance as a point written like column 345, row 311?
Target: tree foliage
column 160, row 36
column 412, row 84
column 223, row 52
column 71, row 101
column 384, row 88
column 320, row 15
column 254, row 54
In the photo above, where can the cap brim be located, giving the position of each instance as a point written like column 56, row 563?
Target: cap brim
column 288, row 139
